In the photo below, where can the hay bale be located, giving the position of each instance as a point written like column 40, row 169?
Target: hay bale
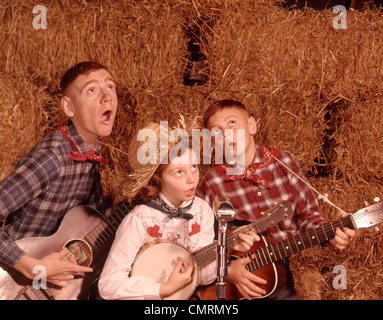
column 290, row 66
column 362, row 256
column 358, row 137
column 23, row 120
column 308, row 283
column 143, row 44
column 316, row 91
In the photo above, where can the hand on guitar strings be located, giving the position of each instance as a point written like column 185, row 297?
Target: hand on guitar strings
column 247, row 241
column 342, row 238
column 179, row 278
column 59, row 270
column 244, row 280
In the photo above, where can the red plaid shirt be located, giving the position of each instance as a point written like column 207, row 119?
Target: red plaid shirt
column 252, row 197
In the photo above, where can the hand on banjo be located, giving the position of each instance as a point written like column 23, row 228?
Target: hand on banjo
column 180, row 276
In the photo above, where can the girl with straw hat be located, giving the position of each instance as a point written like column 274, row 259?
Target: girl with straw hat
column 150, row 257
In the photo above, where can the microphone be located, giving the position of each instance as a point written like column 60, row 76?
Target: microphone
column 224, row 213
column 222, row 208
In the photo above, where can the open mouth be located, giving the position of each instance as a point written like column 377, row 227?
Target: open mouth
column 106, row 116
column 191, row 192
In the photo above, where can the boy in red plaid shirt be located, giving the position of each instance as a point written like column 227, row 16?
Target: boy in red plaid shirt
column 261, row 184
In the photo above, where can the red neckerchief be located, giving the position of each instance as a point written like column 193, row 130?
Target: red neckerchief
column 248, row 173
column 76, row 155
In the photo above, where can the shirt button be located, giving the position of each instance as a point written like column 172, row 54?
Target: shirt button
column 259, row 193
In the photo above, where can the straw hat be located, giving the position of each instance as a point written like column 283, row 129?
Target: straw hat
column 149, row 148
column 146, row 152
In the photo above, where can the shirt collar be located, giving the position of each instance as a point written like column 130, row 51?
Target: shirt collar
column 78, row 140
column 182, row 205
column 259, row 156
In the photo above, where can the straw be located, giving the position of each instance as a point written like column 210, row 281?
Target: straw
column 315, row 91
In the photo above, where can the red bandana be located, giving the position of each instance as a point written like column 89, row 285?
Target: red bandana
column 248, row 173
column 76, row 155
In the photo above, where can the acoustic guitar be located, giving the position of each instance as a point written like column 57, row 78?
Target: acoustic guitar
column 266, row 258
column 86, row 234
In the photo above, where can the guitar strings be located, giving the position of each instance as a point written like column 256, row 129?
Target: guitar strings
column 325, row 198
column 102, row 232
column 268, row 254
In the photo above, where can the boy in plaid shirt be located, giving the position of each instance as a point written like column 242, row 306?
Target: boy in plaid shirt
column 261, row 184
column 60, row 172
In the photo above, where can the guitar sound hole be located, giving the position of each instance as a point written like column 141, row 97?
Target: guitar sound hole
column 80, row 251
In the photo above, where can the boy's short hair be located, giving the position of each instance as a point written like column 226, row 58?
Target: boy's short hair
column 81, row 68
column 220, row 105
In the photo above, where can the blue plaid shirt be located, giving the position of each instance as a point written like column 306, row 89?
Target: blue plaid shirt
column 44, row 186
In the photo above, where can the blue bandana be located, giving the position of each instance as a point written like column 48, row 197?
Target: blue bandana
column 170, row 211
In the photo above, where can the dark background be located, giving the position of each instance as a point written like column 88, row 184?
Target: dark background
column 322, row 4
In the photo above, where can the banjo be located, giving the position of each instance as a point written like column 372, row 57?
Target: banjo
column 154, row 260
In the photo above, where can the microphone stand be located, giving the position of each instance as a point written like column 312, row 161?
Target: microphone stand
column 224, row 213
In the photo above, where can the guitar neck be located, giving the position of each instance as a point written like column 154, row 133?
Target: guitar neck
column 276, row 251
column 209, row 253
column 105, row 230
column 271, row 217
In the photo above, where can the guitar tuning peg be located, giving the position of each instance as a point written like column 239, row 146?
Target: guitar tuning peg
column 376, row 199
column 366, row 203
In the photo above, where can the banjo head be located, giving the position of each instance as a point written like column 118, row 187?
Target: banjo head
column 155, row 262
